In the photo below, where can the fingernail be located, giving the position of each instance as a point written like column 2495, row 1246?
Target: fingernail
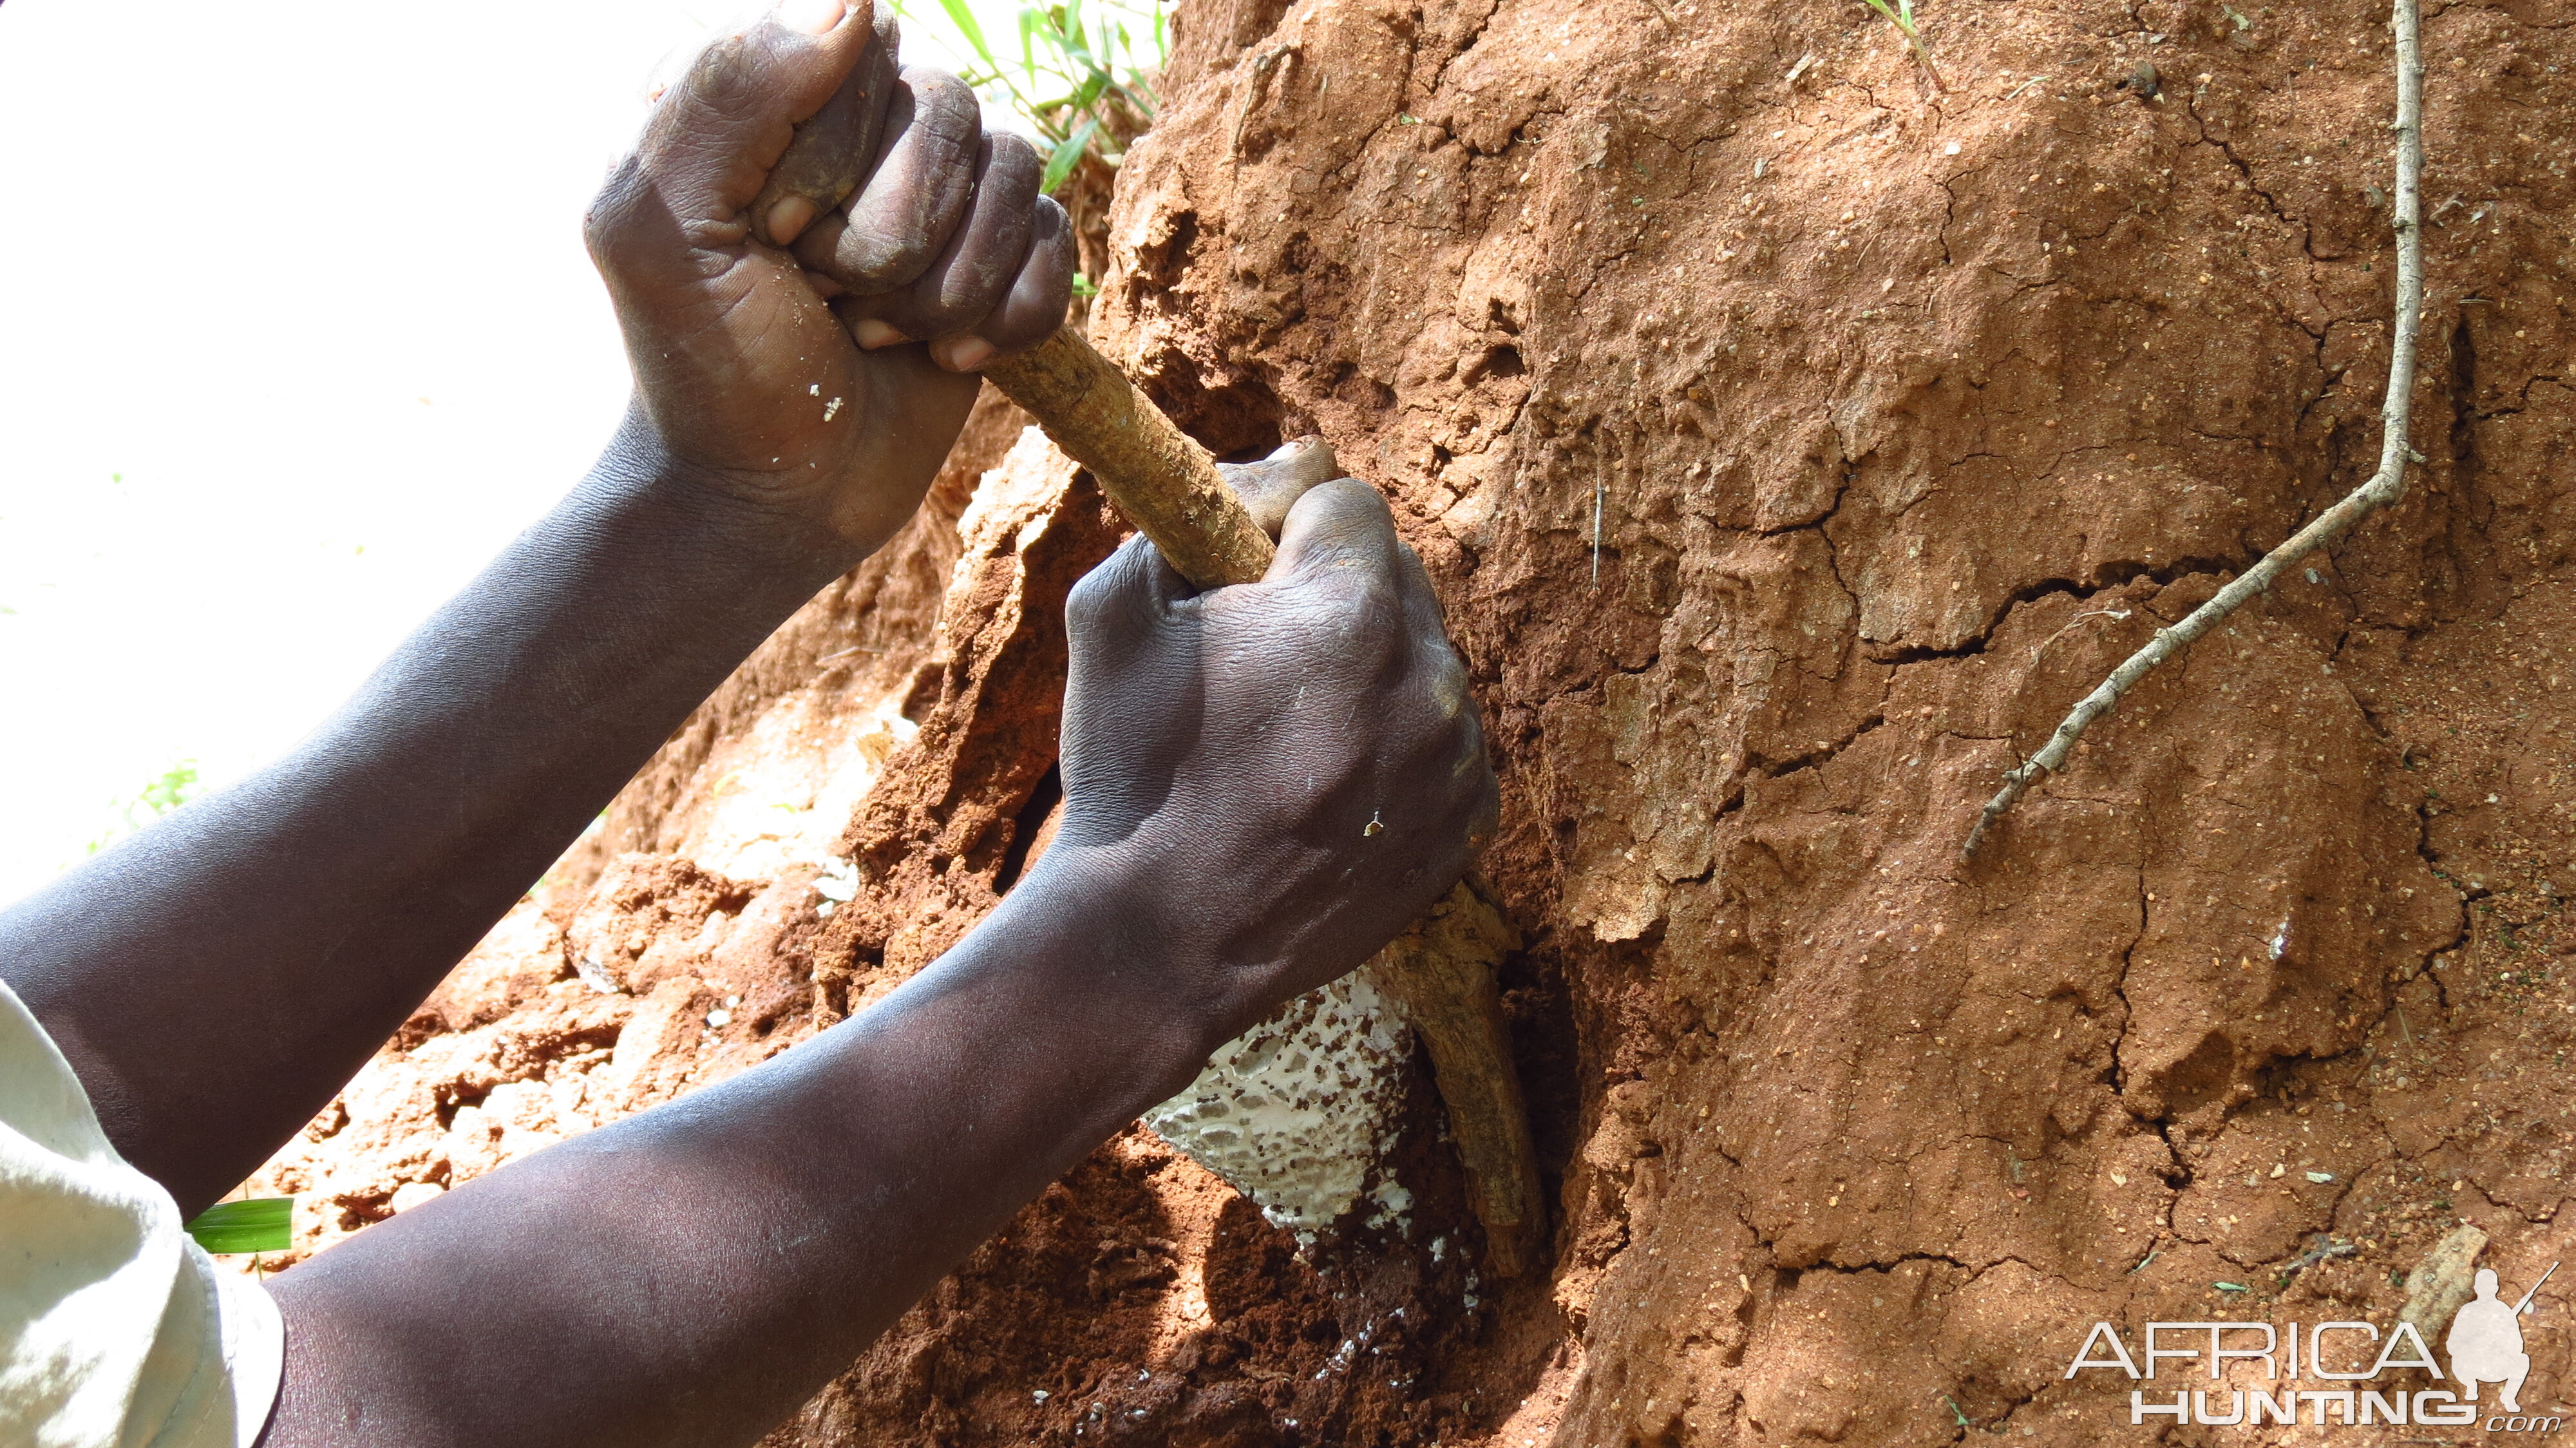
column 789, row 218
column 963, row 354
column 872, row 333
column 814, row 17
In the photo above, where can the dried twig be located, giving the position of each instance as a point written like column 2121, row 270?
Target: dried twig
column 2384, row 486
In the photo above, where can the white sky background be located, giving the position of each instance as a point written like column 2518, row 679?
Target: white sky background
column 310, row 279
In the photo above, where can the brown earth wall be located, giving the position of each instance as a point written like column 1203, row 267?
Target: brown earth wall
column 1791, row 444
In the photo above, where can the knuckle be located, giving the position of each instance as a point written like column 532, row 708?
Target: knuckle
column 1360, row 616
column 609, row 223
column 1012, row 155
column 727, row 75
column 1088, row 601
column 1100, row 595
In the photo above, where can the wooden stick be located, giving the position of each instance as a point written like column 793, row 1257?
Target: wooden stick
column 1441, row 970
column 1441, row 974
column 1165, row 483
column 2384, row 487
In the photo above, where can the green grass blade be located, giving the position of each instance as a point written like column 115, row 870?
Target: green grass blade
column 1068, row 154
column 261, row 1224
column 964, row 19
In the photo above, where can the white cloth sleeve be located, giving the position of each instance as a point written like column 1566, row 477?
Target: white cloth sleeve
column 116, row 1329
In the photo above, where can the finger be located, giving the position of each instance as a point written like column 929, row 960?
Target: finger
column 1271, row 486
column 714, row 136
column 916, row 192
column 1037, row 302
column 1129, row 593
column 1444, row 672
column 1336, row 530
column 974, row 272
column 831, row 151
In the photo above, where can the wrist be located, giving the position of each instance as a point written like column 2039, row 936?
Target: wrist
column 732, row 527
column 1154, row 985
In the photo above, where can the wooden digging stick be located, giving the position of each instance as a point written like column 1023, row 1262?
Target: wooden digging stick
column 1441, row 970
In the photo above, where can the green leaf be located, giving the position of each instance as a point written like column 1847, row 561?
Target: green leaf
column 964, row 19
column 261, row 1224
column 1068, row 154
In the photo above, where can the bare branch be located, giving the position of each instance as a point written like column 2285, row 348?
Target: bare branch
column 2384, row 486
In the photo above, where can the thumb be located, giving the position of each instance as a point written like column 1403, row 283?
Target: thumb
column 1272, row 485
column 1122, row 599
column 714, row 136
column 1333, row 527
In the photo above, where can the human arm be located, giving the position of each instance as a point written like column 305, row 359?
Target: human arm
column 215, row 980
column 690, row 1275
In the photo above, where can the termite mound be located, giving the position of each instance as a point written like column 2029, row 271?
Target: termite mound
column 1790, row 446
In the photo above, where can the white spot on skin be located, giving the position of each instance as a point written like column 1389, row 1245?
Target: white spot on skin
column 2281, row 939
column 831, row 408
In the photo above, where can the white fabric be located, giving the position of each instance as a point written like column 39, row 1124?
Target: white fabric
column 116, row 1329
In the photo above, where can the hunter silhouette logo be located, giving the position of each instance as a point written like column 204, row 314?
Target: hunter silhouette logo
column 2353, row 1388
column 2486, row 1341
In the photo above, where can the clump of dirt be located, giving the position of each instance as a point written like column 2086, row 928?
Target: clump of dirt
column 1791, row 446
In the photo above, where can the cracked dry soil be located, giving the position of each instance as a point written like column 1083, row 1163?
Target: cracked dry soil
column 1904, row 417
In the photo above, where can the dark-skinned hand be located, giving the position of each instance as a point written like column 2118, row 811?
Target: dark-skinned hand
column 740, row 288
column 1308, row 740
column 1264, row 783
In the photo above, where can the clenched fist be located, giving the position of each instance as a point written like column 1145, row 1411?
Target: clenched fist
column 1275, row 777
column 810, row 250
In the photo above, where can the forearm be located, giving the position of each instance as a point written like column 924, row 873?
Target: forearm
column 217, row 978
column 689, row 1276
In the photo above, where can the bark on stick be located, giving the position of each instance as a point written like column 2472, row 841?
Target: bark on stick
column 1164, row 482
